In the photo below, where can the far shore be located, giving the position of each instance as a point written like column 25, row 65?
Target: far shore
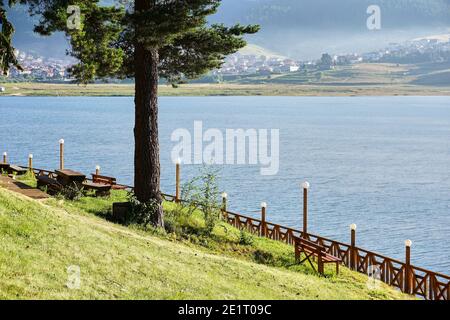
column 225, row 89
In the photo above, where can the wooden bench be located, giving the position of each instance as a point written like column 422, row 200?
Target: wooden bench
column 314, row 250
column 17, row 170
column 101, row 189
column 53, row 186
column 107, row 180
column 103, row 179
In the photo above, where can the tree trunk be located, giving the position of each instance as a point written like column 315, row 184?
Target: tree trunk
column 146, row 155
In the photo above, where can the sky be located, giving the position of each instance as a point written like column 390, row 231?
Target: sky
column 301, row 29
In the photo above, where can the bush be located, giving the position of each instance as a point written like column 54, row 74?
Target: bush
column 264, row 257
column 142, row 213
column 71, row 192
column 245, row 238
column 202, row 193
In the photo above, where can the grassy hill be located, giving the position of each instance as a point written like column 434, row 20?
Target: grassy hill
column 40, row 240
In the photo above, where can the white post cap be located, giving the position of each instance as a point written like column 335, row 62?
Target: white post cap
column 61, row 141
column 224, row 195
column 408, row 243
column 353, row 226
column 263, row 205
column 305, row 185
column 30, row 156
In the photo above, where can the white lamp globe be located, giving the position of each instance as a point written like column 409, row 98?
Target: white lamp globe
column 97, row 167
column 263, row 205
column 178, row 161
column 61, row 141
column 408, row 243
column 353, row 226
column 305, row 185
column 224, row 195
column 30, row 156
column 5, row 154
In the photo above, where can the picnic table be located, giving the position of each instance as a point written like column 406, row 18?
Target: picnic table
column 69, row 177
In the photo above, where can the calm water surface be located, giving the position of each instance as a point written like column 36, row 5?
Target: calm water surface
column 380, row 162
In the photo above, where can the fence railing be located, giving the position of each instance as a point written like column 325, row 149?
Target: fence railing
column 408, row 278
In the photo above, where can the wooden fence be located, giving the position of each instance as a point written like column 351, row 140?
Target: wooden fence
column 408, row 278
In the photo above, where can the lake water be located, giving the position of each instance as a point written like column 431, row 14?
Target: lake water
column 380, row 162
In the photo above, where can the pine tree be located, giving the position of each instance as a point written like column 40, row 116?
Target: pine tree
column 142, row 39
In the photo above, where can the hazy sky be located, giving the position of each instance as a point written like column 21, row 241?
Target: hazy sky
column 302, row 29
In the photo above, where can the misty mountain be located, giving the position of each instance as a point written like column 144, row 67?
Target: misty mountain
column 302, row 29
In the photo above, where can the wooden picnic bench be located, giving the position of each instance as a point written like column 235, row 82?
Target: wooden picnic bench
column 17, row 170
column 314, row 250
column 68, row 177
column 53, row 186
column 101, row 190
column 107, row 180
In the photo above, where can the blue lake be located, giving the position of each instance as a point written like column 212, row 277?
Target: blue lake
column 380, row 162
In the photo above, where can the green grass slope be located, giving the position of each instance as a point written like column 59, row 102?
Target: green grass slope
column 40, row 240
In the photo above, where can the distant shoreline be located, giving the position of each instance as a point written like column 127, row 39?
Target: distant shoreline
column 226, row 89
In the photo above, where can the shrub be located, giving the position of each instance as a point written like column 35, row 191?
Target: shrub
column 264, row 257
column 71, row 192
column 202, row 193
column 245, row 238
column 142, row 213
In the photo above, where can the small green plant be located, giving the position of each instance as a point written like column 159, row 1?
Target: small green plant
column 246, row 238
column 141, row 213
column 71, row 192
column 202, row 193
column 264, row 257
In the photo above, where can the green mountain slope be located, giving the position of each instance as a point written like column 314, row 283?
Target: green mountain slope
column 40, row 240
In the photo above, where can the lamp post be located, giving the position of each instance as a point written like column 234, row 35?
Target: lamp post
column 30, row 162
column 408, row 287
column 5, row 157
column 353, row 247
column 224, row 201
column 263, row 219
column 305, row 186
column 61, row 154
column 97, row 170
column 177, row 180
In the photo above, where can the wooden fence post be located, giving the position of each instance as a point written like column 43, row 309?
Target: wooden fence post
column 407, row 285
column 353, row 261
column 30, row 162
column 177, row 180
column 263, row 219
column 61, row 154
column 305, row 186
column 5, row 157
column 225, row 205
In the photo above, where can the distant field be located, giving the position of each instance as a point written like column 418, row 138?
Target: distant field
column 354, row 80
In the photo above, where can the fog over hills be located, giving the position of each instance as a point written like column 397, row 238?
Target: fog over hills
column 302, row 29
